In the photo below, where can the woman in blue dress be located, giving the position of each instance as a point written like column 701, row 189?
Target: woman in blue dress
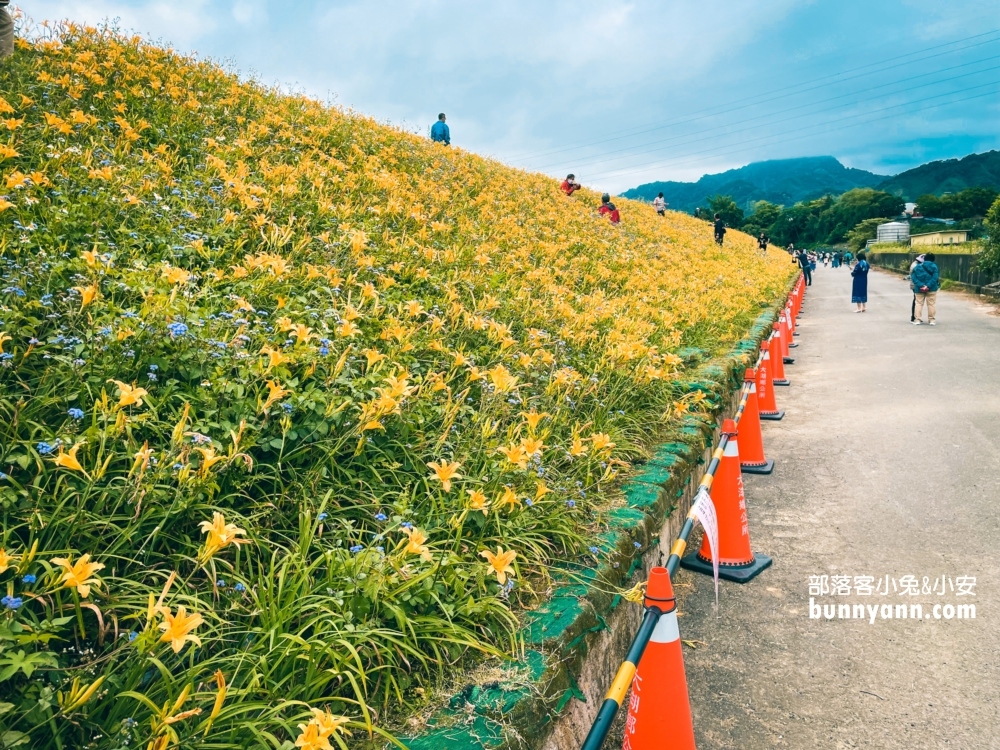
column 859, row 289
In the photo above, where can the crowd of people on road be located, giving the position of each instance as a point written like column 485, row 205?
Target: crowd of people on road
column 924, row 277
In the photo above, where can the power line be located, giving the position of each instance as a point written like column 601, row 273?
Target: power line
column 674, row 162
column 631, row 150
column 701, row 114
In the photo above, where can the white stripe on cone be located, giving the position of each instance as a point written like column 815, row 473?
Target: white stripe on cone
column 666, row 629
column 731, row 448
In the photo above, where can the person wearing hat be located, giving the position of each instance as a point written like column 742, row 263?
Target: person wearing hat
column 570, row 185
column 660, row 205
column 609, row 209
column 6, row 30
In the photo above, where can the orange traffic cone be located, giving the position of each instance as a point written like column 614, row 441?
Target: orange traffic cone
column 790, row 324
column 659, row 712
column 737, row 561
column 786, row 355
column 765, row 389
column 777, row 357
column 752, row 459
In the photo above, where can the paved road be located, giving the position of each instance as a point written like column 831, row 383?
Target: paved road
column 888, row 463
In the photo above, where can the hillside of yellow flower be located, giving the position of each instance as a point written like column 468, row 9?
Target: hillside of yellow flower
column 297, row 408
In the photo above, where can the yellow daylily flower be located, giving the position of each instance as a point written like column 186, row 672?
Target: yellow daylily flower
column 601, row 440
column 78, row 575
column 500, row 563
column 478, row 501
column 130, row 395
column 532, row 446
column 69, row 460
column 274, row 393
column 516, row 455
column 220, row 535
column 274, row 357
column 177, row 628
column 6, row 560
column 445, row 471
column 577, row 448
column 508, row 499
column 501, row 379
column 415, row 543
column 87, row 294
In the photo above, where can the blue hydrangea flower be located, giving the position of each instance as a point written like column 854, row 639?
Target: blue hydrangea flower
column 44, row 448
column 177, row 329
column 12, row 602
column 75, row 413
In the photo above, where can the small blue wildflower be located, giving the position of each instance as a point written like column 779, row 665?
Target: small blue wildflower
column 594, row 550
column 44, row 448
column 220, row 583
column 177, row 329
column 286, row 407
column 132, row 635
column 381, row 516
column 406, row 525
column 12, row 602
column 528, row 502
column 322, row 516
column 324, row 350
column 28, row 578
column 151, row 376
column 239, row 587
column 154, row 368
column 636, row 545
column 75, row 413
column 570, row 503
column 357, row 548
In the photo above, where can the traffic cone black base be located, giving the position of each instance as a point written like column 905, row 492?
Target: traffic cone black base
column 734, row 573
column 783, row 381
column 774, row 417
column 765, row 468
column 788, row 360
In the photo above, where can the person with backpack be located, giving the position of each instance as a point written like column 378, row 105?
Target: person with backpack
column 859, row 287
column 660, row 205
column 720, row 229
column 913, row 305
column 609, row 209
column 570, row 185
column 925, row 280
column 440, row 133
column 6, row 31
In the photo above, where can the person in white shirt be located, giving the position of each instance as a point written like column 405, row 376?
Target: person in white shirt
column 660, row 205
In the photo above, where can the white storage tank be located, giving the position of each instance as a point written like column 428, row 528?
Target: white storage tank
column 894, row 231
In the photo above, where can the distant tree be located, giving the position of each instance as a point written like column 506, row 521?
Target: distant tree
column 764, row 216
column 967, row 204
column 863, row 231
column 931, row 205
column 989, row 258
column 727, row 209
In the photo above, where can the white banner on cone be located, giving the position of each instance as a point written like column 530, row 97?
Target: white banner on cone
column 704, row 512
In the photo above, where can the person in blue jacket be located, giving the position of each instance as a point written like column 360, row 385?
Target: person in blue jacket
column 440, row 132
column 925, row 280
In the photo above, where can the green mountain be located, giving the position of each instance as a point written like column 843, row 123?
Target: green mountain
column 781, row 181
column 946, row 176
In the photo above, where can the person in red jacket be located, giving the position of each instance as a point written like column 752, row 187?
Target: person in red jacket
column 608, row 209
column 570, row 185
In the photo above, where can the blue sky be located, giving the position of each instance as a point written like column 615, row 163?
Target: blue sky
column 619, row 92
